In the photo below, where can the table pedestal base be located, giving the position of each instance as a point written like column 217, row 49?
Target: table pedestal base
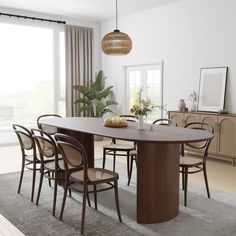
column 157, row 182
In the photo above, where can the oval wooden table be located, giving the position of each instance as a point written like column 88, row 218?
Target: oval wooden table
column 158, row 160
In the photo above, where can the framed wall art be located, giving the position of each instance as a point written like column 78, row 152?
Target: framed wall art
column 212, row 89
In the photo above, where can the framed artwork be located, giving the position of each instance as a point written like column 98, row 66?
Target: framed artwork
column 212, row 89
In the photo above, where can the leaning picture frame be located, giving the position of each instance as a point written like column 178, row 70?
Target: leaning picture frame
column 212, row 88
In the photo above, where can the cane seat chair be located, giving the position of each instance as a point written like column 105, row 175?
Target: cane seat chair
column 116, row 148
column 165, row 121
column 29, row 157
column 52, row 167
column 133, row 153
column 191, row 165
column 47, row 128
column 74, row 154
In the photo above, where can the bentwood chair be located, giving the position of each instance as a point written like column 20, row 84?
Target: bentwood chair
column 190, row 165
column 165, row 121
column 74, row 155
column 133, row 153
column 28, row 152
column 51, row 167
column 119, row 149
column 47, row 128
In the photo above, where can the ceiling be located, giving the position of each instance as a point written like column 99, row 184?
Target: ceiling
column 96, row 10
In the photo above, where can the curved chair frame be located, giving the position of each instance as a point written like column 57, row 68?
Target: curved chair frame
column 74, row 155
column 47, row 128
column 50, row 167
column 165, row 121
column 188, row 167
column 27, row 145
column 115, row 149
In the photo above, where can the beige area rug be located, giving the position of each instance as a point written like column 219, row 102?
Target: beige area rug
column 216, row 216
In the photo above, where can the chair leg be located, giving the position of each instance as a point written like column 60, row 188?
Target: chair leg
column 64, row 198
column 182, row 178
column 21, row 174
column 85, row 190
column 49, row 180
column 95, row 196
column 117, row 200
column 40, row 183
column 55, row 195
column 114, row 161
column 206, row 181
column 33, row 182
column 88, row 199
column 70, row 194
column 182, row 149
column 130, row 170
column 128, row 167
column 104, row 158
column 185, row 185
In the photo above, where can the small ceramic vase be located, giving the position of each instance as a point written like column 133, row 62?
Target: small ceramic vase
column 182, row 105
column 193, row 107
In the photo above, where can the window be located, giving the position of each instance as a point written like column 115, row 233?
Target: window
column 32, row 73
column 149, row 79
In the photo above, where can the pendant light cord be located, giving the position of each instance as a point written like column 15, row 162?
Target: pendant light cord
column 116, row 16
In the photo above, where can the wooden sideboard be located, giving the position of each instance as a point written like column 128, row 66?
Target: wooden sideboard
column 223, row 144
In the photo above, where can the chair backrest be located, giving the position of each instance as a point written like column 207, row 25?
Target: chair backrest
column 130, row 118
column 25, row 137
column 46, row 145
column 202, row 145
column 72, row 151
column 165, row 121
column 47, row 128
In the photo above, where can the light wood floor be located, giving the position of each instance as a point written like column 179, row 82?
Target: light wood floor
column 221, row 176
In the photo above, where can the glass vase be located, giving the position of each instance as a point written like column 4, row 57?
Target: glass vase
column 140, row 122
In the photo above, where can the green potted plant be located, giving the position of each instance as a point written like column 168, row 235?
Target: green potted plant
column 95, row 99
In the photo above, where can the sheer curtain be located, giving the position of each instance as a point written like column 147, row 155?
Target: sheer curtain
column 79, row 62
column 32, row 70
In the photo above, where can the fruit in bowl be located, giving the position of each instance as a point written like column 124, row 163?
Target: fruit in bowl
column 115, row 121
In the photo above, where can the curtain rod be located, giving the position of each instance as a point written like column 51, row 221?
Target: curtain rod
column 32, row 18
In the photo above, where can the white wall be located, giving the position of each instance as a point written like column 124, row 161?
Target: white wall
column 187, row 35
column 69, row 21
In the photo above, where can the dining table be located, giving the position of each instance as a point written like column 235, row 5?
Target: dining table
column 158, row 151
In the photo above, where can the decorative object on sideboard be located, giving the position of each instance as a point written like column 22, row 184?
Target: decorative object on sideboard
column 182, row 105
column 193, row 97
column 212, row 89
column 116, row 42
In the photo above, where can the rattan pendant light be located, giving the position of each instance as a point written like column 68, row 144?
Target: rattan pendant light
column 116, row 42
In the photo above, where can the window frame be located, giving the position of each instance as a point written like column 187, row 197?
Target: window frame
column 144, row 68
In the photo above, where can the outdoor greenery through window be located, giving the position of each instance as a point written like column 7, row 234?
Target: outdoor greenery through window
column 32, row 73
column 149, row 79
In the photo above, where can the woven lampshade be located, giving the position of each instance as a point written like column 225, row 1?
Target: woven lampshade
column 116, row 43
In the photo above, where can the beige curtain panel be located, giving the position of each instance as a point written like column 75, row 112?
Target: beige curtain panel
column 79, row 62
